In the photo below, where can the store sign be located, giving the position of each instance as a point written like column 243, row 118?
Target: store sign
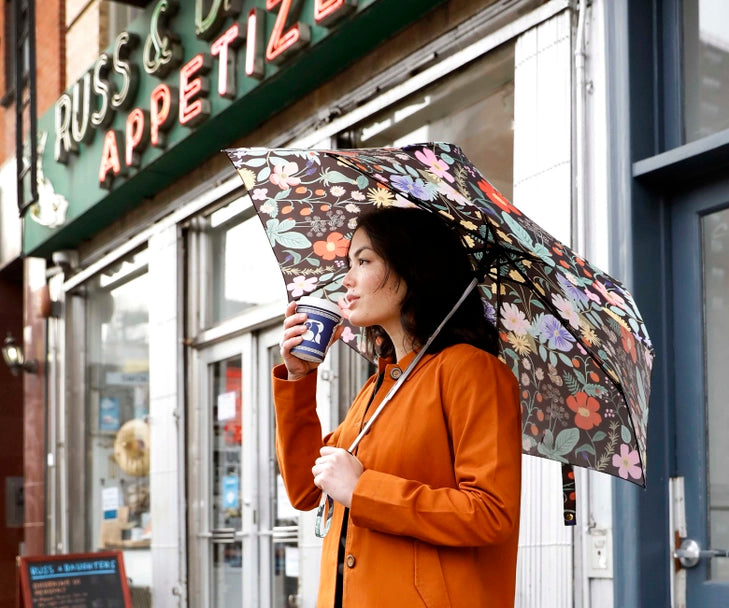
column 179, row 84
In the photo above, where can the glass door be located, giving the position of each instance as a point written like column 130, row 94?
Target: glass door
column 217, row 457
column 248, row 545
column 701, row 338
column 281, row 528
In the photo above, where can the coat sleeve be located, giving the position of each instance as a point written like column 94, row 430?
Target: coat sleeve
column 480, row 401
column 298, row 436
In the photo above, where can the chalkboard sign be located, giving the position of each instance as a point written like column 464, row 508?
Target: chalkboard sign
column 88, row 580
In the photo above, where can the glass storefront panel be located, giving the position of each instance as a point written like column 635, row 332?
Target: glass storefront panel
column 706, row 67
column 285, row 554
column 117, row 409
column 238, row 281
column 226, row 461
column 474, row 109
column 715, row 232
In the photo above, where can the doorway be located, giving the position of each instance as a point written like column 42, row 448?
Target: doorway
column 245, row 539
column 700, row 240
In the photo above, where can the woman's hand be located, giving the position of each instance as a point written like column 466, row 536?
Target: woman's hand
column 336, row 472
column 294, row 329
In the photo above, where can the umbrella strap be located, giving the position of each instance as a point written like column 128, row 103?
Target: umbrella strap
column 410, row 367
column 569, row 495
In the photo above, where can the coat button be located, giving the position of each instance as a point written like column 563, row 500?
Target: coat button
column 395, row 373
column 351, row 561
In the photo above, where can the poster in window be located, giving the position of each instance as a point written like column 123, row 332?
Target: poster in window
column 109, row 414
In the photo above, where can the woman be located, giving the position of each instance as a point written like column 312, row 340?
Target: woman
column 426, row 511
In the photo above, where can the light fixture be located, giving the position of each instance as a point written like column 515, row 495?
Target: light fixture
column 13, row 356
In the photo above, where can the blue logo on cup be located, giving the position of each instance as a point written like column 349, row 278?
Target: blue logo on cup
column 322, row 317
column 316, row 328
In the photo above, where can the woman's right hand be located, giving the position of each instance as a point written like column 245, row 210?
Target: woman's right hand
column 293, row 330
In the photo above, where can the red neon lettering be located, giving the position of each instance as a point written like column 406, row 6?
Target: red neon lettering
column 226, row 66
column 194, row 110
column 254, row 44
column 281, row 43
column 110, row 163
column 137, row 136
column 327, row 12
column 163, row 103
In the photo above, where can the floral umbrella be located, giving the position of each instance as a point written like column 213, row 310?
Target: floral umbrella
column 572, row 334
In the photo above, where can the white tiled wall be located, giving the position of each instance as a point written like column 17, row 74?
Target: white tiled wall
column 542, row 190
column 166, row 406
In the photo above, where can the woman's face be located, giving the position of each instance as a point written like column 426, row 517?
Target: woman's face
column 373, row 299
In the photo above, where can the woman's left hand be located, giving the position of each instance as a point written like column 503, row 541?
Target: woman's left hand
column 336, row 472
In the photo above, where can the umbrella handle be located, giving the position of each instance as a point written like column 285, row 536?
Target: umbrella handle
column 324, row 515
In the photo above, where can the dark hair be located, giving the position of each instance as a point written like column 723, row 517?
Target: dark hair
column 429, row 256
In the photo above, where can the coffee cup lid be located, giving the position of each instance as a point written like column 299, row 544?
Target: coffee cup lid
column 321, row 303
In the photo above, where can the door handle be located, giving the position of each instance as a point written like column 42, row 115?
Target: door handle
column 690, row 552
column 223, row 535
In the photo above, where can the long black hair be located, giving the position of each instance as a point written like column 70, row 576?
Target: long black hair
column 429, row 256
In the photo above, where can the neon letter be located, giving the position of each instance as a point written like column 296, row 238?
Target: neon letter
column 64, row 142
column 194, row 112
column 137, row 136
column 328, row 12
column 163, row 104
column 226, row 66
column 206, row 27
column 162, row 49
column 123, row 46
column 81, row 130
column 254, row 44
column 110, row 164
column 281, row 44
column 104, row 88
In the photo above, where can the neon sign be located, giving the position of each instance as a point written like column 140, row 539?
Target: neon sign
column 111, row 85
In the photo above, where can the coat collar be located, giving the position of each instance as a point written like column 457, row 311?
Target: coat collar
column 394, row 370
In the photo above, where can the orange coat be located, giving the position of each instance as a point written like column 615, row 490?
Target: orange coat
column 434, row 519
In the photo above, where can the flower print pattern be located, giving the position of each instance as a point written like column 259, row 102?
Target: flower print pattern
column 437, row 167
column 627, row 462
column 571, row 334
column 301, row 285
column 259, row 194
column 283, row 176
column 514, row 319
column 413, row 187
column 585, row 409
column 380, row 196
column 335, row 245
column 554, row 333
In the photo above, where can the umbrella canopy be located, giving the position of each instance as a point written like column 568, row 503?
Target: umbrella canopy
column 571, row 334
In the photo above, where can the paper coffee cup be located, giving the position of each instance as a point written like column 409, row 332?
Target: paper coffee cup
column 322, row 317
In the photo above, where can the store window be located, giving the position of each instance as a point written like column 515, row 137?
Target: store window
column 473, row 108
column 234, row 280
column 706, row 67
column 120, row 15
column 117, row 414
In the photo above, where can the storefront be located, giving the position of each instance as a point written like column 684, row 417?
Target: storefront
column 167, row 301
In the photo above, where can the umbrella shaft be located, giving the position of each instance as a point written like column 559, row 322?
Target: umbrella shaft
column 410, row 367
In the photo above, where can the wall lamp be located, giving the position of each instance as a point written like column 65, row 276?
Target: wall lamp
column 13, row 356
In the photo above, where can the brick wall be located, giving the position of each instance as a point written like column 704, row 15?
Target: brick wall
column 22, row 448
column 11, row 438
column 50, row 63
